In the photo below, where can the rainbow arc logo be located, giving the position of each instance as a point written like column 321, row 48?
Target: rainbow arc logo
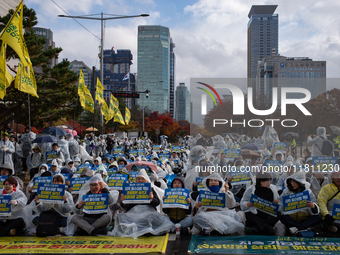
column 209, row 93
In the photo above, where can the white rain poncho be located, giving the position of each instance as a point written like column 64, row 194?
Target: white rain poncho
column 73, row 146
column 141, row 219
column 317, row 141
column 197, row 152
column 6, row 151
column 84, row 155
column 229, row 143
column 63, row 145
column 269, row 131
column 26, row 140
column 17, row 211
column 31, row 183
column 224, row 221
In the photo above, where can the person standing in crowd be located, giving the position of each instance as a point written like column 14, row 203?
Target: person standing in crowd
column 109, row 144
column 60, row 157
column 26, row 141
column 317, row 141
column 6, row 150
column 17, row 155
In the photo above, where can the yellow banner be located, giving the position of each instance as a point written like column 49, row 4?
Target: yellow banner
column 118, row 117
column 26, row 82
column 13, row 36
column 127, row 115
column 83, row 245
column 99, row 92
column 106, row 112
column 81, row 85
column 3, row 69
column 114, row 104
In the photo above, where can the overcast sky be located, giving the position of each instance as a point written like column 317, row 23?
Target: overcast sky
column 210, row 35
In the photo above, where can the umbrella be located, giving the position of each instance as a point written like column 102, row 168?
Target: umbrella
column 91, row 129
column 249, row 154
column 163, row 136
column 65, row 126
column 142, row 163
column 56, row 131
column 335, row 129
column 253, row 147
column 292, row 134
column 45, row 139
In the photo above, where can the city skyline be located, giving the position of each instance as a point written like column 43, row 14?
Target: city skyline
column 200, row 50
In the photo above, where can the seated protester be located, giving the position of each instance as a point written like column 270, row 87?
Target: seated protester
column 224, row 221
column 305, row 217
column 122, row 161
column 260, row 222
column 175, row 157
column 316, row 180
column 93, row 224
column 34, row 160
column 64, row 209
column 87, row 172
column 66, row 170
column 76, row 162
column 105, row 160
column 179, row 215
column 113, row 164
column 141, row 219
column 97, row 161
column 7, row 170
column 70, row 165
column 281, row 183
column 60, row 159
column 102, row 171
column 30, row 187
column 55, row 167
column 328, row 196
column 10, row 225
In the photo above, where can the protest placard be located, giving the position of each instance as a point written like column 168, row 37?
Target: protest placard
column 116, row 181
column 2, row 179
column 164, row 154
column 170, row 178
column 141, row 152
column 95, row 203
column 132, row 178
column 136, row 193
column 41, row 179
column 82, row 166
column 273, row 166
column 66, row 176
column 231, row 153
column 77, row 183
column 176, row 198
column 211, row 199
column 239, row 177
column 133, row 153
column 336, row 212
column 264, row 205
column 324, row 164
column 199, row 185
column 156, row 148
column 176, row 149
column 280, row 147
column 51, row 193
column 294, row 202
column 5, row 208
column 118, row 151
column 50, row 155
column 175, row 162
column 112, row 170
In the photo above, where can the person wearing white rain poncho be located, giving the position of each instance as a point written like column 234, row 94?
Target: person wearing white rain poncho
column 222, row 220
column 94, row 223
column 64, row 208
column 9, row 225
column 141, row 219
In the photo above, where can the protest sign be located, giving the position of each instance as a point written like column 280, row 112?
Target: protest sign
column 136, row 193
column 109, row 156
column 294, row 202
column 133, row 153
column 82, row 166
column 5, row 208
column 66, row 176
column 51, row 193
column 95, row 203
column 175, row 162
column 273, row 166
column 2, row 179
column 41, row 179
column 50, row 155
column 116, row 181
column 132, row 177
column 170, row 178
column 324, row 164
column 164, row 154
column 118, row 151
column 176, row 198
column 336, row 212
column 264, row 205
column 176, row 149
column 280, row 147
column 240, row 177
column 156, row 148
column 140, row 152
column 112, row 170
column 231, row 153
column 77, row 183
column 211, row 199
column 199, row 181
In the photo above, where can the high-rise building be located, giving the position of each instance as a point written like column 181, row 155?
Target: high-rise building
column 182, row 103
column 7, row 5
column 154, row 66
column 48, row 35
column 172, row 79
column 116, row 66
column 263, row 39
column 75, row 66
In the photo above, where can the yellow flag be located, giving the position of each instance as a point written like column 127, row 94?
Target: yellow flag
column 25, row 82
column 9, row 79
column 3, row 69
column 88, row 100
column 99, row 92
column 119, row 117
column 106, row 112
column 127, row 115
column 114, row 104
column 13, row 36
column 81, row 85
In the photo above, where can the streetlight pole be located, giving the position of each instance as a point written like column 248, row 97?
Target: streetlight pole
column 102, row 41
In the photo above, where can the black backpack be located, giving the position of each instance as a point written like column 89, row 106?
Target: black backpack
column 326, row 148
column 48, row 224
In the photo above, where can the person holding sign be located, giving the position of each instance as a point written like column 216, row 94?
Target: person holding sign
column 57, row 211
column 260, row 220
column 141, row 219
column 92, row 222
column 328, row 198
column 221, row 219
column 58, row 155
column 10, row 224
column 179, row 215
column 298, row 213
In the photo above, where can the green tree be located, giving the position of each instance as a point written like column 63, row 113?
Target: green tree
column 57, row 89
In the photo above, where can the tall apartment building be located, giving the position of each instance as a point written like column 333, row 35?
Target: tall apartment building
column 75, row 66
column 154, row 66
column 182, row 103
column 48, row 35
column 263, row 39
